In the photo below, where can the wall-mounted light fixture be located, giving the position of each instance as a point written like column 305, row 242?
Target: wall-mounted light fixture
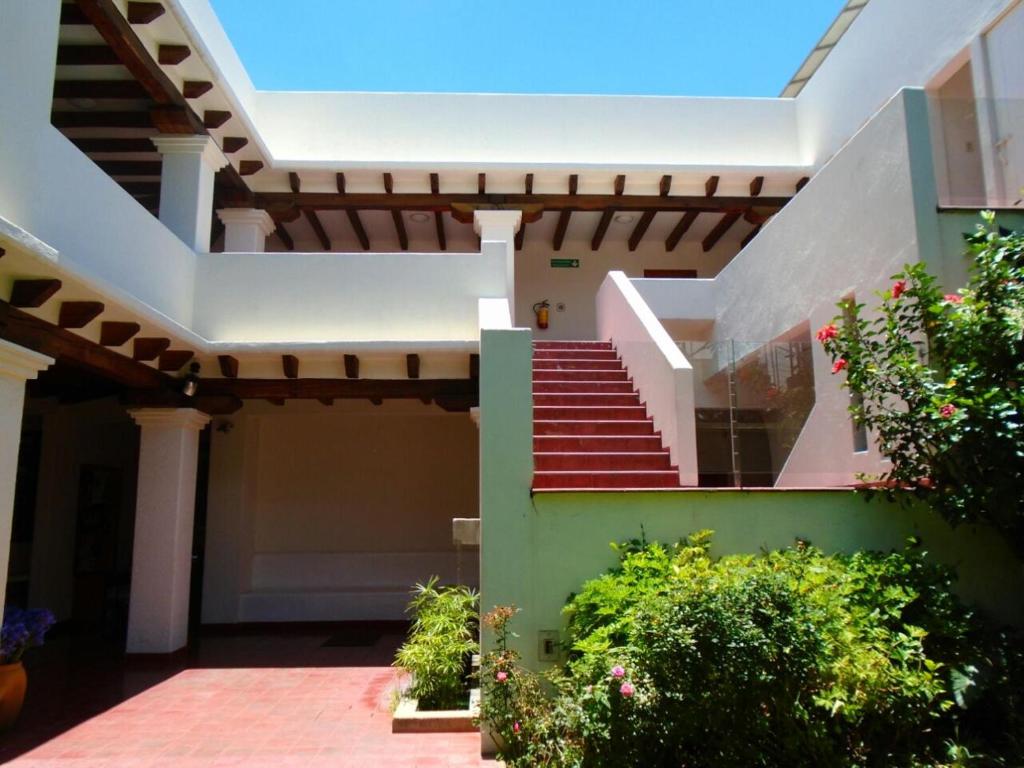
column 191, row 381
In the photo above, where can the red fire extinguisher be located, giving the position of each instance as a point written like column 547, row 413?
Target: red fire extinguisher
column 541, row 309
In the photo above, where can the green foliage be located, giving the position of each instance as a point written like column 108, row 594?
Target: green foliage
column 792, row 658
column 440, row 645
column 941, row 377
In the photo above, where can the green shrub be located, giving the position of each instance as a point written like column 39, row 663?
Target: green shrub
column 441, row 643
column 793, row 658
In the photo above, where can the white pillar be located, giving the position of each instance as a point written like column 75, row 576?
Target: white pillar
column 186, row 186
column 164, row 511
column 245, row 229
column 17, row 365
column 497, row 230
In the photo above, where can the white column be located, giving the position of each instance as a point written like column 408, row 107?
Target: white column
column 497, row 230
column 245, row 229
column 186, row 186
column 164, row 511
column 17, row 365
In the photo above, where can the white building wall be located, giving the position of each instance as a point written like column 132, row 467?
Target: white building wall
column 322, row 513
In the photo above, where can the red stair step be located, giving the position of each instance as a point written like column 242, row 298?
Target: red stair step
column 594, row 387
column 556, row 374
column 597, row 443
column 631, row 480
column 577, row 365
column 601, row 461
column 598, row 413
column 572, row 345
column 594, row 427
column 575, row 354
column 586, row 399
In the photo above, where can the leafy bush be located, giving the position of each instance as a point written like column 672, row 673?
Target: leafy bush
column 941, row 379
column 793, row 658
column 441, row 643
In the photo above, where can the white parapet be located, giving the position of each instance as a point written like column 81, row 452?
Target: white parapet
column 660, row 371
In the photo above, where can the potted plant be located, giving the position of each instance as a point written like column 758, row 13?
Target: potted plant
column 21, row 630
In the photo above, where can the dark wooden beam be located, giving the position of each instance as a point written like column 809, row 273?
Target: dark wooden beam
column 564, row 216
column 664, row 186
column 724, row 225
column 750, row 236
column 396, row 215
column 606, row 216
column 318, row 229
column 326, row 400
column 215, row 118
column 232, row 144
column 314, row 389
column 353, row 216
column 756, row 185
column 78, row 314
column 290, row 366
column 114, row 146
column 31, row 294
column 71, row 15
column 351, row 366
column 435, row 189
column 294, row 182
column 175, row 120
column 149, row 348
column 228, row 366
column 521, row 234
column 278, row 401
column 174, row 359
column 249, row 167
column 130, row 167
column 102, row 119
column 278, row 202
column 171, row 55
column 98, row 89
column 85, row 55
column 2, row 252
column 144, row 13
column 412, row 365
column 193, row 89
column 116, row 333
column 481, row 183
column 680, row 229
column 284, row 237
column 474, row 367
column 711, row 186
column 802, row 183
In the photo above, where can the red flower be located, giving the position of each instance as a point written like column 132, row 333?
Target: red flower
column 898, row 288
column 947, row 410
column 839, row 365
column 954, row 298
column 827, row 332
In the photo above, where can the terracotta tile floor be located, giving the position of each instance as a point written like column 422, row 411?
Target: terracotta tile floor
column 253, row 700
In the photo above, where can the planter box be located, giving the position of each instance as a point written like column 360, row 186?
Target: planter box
column 409, row 719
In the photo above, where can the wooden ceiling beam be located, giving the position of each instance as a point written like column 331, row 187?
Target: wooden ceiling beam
column 86, row 55
column 294, row 182
column 680, row 229
column 117, row 333
column 606, row 216
column 114, row 146
column 353, row 215
column 481, row 183
column 31, row 294
column 144, row 13
column 664, row 186
column 724, row 225
column 318, row 229
column 564, row 216
column 711, row 186
column 474, row 366
column 78, row 314
column 171, row 55
column 396, row 215
column 435, row 189
column 102, row 119
column 174, row 359
column 412, row 365
column 802, row 183
column 130, row 167
column 756, row 185
column 521, row 234
column 290, row 366
column 149, row 348
column 249, row 167
column 215, row 118
column 351, row 366
column 750, row 236
column 284, row 237
column 71, row 15
column 228, row 366
column 314, row 389
column 232, row 144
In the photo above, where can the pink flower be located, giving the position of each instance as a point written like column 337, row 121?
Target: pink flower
column 947, row 410
column 898, row 288
column 827, row 332
column 954, row 298
column 515, row 727
column 618, row 671
column 839, row 365
column 627, row 689
column 501, row 677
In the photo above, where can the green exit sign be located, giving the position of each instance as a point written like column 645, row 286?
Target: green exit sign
column 565, row 263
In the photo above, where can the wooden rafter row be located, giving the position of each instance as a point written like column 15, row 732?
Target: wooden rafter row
column 396, row 215
column 521, row 234
column 606, row 217
column 435, row 189
column 648, row 216
column 353, row 215
column 565, row 215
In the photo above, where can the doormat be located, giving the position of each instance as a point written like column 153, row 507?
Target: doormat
column 353, row 638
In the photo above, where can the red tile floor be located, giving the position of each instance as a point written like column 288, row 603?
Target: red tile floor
column 267, row 699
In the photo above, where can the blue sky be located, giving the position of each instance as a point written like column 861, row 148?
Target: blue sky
column 659, row 47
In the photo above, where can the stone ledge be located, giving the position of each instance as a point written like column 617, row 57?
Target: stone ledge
column 408, row 718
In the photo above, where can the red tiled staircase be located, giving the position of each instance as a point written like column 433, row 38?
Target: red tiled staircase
column 590, row 429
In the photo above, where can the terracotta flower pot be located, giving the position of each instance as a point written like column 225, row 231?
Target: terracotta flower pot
column 13, row 682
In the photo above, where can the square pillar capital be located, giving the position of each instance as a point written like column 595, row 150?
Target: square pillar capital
column 495, row 221
column 203, row 147
column 246, row 229
column 173, row 418
column 21, row 364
